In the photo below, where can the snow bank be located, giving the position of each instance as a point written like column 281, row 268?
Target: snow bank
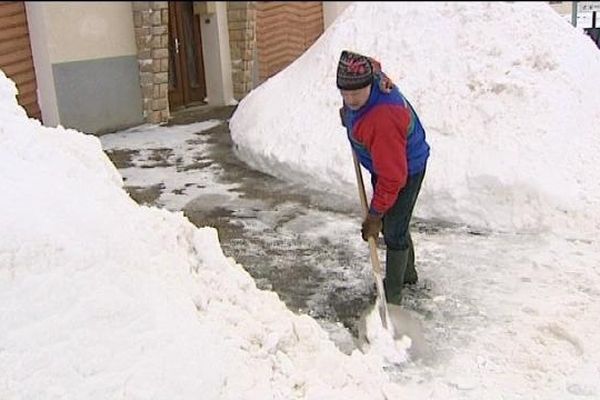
column 509, row 95
column 102, row 299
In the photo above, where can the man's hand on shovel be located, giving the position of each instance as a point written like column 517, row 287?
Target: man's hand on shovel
column 371, row 226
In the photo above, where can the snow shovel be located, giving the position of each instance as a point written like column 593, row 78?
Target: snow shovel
column 377, row 270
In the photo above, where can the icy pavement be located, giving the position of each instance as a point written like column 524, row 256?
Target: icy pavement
column 292, row 241
column 500, row 313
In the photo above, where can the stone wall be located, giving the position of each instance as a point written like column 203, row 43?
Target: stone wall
column 241, row 19
column 151, row 23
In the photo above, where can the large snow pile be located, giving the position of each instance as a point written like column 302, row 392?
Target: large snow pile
column 103, row 299
column 509, row 95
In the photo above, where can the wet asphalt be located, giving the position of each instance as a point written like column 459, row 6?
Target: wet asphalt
column 308, row 275
column 267, row 228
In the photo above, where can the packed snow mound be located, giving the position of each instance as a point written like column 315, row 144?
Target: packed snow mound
column 509, row 95
column 101, row 298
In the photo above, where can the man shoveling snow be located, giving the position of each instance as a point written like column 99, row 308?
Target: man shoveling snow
column 386, row 135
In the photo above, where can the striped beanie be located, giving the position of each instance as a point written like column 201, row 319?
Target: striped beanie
column 354, row 71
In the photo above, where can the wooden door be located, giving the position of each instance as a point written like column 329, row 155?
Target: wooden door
column 186, row 65
column 15, row 54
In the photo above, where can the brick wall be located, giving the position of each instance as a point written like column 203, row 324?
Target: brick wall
column 151, row 23
column 241, row 19
column 284, row 30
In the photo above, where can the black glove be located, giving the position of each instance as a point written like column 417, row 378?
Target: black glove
column 371, row 226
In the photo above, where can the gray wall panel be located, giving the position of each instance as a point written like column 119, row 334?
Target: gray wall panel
column 99, row 96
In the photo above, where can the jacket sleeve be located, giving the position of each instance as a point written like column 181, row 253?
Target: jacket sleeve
column 384, row 134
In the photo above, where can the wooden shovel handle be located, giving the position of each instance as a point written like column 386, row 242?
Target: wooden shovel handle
column 377, row 270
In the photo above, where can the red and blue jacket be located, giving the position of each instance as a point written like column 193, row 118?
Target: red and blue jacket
column 390, row 143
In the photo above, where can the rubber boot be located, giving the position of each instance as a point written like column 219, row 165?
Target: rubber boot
column 410, row 276
column 395, row 267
